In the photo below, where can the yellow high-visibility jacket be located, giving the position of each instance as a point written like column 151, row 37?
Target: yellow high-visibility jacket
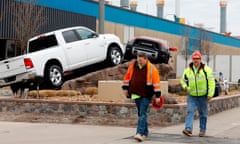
column 198, row 84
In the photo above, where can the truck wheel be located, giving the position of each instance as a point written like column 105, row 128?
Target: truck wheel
column 54, row 76
column 163, row 59
column 166, row 60
column 114, row 56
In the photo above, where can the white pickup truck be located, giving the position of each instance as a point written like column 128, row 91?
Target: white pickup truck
column 51, row 54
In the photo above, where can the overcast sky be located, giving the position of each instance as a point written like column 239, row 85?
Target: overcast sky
column 206, row 12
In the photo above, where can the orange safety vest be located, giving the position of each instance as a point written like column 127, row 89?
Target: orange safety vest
column 153, row 78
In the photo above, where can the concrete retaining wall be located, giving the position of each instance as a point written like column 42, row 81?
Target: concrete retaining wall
column 170, row 114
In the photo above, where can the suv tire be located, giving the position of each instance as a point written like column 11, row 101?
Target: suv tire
column 54, row 76
column 114, row 56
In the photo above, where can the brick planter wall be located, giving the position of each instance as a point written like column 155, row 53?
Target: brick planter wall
column 170, row 114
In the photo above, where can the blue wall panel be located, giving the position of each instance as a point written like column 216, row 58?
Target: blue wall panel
column 127, row 17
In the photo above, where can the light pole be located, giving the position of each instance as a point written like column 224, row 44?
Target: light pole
column 101, row 16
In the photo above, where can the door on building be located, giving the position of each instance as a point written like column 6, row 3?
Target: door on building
column 9, row 48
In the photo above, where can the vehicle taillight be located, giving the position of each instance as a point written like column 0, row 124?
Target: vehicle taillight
column 28, row 63
column 41, row 36
column 173, row 49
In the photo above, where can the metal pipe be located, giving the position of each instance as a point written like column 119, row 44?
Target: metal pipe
column 223, row 16
column 133, row 5
column 101, row 16
column 124, row 4
column 160, row 6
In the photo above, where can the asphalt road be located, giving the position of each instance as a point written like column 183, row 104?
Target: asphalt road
column 223, row 128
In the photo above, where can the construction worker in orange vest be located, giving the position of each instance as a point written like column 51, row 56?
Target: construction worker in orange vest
column 140, row 83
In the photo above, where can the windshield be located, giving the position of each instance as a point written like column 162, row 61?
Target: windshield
column 42, row 42
column 146, row 44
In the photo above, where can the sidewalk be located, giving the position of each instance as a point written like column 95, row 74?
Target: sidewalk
column 222, row 128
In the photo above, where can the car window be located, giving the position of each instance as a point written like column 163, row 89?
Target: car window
column 146, row 43
column 85, row 34
column 130, row 42
column 164, row 48
column 70, row 36
column 42, row 42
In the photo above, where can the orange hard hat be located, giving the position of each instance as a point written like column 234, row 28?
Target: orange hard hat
column 197, row 55
column 158, row 105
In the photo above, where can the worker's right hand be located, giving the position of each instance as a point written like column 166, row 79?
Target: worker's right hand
column 125, row 92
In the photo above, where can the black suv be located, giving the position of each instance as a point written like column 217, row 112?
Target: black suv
column 157, row 50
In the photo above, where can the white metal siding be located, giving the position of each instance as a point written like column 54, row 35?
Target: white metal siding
column 227, row 64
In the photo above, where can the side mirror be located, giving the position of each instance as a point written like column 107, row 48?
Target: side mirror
column 94, row 35
column 173, row 49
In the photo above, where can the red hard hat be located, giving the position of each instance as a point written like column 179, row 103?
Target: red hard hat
column 158, row 105
column 196, row 54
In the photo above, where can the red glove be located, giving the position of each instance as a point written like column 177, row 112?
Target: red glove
column 156, row 104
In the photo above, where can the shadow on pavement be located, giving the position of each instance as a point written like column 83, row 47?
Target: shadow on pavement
column 179, row 138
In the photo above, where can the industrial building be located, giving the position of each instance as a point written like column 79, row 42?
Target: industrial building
column 126, row 22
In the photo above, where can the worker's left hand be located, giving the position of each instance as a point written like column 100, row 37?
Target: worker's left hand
column 209, row 98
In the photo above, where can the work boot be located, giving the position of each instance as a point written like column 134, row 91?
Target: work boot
column 144, row 137
column 187, row 132
column 201, row 134
column 138, row 138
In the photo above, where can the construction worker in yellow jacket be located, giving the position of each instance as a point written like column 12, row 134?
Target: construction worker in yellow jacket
column 140, row 83
column 198, row 81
